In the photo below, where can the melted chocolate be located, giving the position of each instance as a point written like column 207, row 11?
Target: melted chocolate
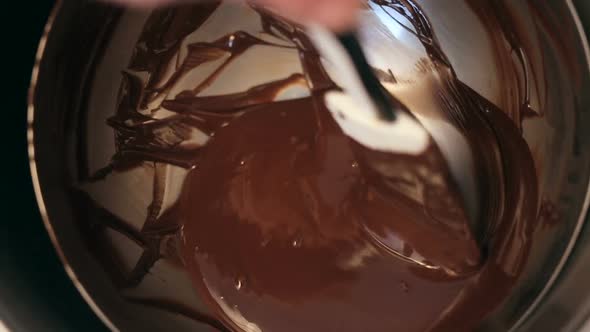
column 286, row 224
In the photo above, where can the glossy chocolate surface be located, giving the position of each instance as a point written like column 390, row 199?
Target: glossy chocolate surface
column 286, row 224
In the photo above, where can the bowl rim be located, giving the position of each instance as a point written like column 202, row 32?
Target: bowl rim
column 35, row 177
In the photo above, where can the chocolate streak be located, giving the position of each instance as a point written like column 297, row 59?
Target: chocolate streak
column 288, row 225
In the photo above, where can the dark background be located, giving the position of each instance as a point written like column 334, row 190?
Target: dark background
column 35, row 293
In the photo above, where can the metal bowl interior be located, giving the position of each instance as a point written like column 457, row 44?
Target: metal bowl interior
column 77, row 78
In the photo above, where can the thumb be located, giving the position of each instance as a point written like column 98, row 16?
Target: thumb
column 334, row 14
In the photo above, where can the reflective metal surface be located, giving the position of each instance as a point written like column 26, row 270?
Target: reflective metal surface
column 74, row 89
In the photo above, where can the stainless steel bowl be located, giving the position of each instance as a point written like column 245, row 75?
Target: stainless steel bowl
column 74, row 88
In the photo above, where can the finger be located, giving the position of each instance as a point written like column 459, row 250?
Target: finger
column 295, row 10
column 337, row 15
column 144, row 3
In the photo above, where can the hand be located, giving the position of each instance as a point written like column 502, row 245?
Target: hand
column 337, row 15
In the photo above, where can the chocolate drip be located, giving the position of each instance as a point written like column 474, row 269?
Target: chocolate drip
column 140, row 136
column 518, row 67
column 232, row 103
column 422, row 28
column 517, row 48
column 315, row 74
column 232, row 45
column 286, row 219
column 160, row 41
